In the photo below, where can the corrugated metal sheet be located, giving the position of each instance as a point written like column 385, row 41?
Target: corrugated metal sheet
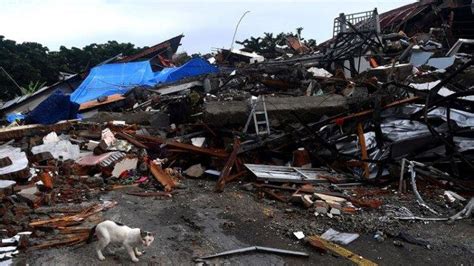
column 275, row 173
column 23, row 98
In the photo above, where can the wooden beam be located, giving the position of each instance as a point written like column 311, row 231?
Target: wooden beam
column 228, row 167
column 319, row 242
column 363, row 149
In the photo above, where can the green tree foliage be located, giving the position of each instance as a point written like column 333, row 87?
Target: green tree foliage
column 34, row 86
column 25, row 62
column 76, row 60
column 31, row 63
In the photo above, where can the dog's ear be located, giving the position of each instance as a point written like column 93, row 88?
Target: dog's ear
column 153, row 234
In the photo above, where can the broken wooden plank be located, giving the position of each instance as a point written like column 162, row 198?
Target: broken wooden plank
column 273, row 194
column 117, row 187
column 162, row 177
column 94, row 103
column 232, row 177
column 79, row 238
column 363, row 149
column 73, row 219
column 183, row 146
column 31, row 130
column 319, row 242
column 228, row 167
column 131, row 139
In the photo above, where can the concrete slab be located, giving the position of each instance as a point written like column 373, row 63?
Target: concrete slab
column 278, row 108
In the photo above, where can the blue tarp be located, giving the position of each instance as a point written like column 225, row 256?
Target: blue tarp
column 111, row 79
column 193, row 67
column 12, row 117
column 55, row 108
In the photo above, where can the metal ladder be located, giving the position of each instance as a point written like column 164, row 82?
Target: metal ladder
column 260, row 117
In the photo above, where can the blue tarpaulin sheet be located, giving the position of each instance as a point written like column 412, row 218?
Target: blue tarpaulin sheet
column 193, row 67
column 14, row 117
column 55, row 108
column 112, row 79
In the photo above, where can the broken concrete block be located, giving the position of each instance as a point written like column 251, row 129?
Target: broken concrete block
column 18, row 170
column 321, row 206
column 152, row 118
column 41, row 157
column 280, row 108
column 320, row 203
column 335, row 205
column 198, row 142
column 29, row 195
column 125, row 164
column 6, row 187
column 63, row 148
column 319, row 72
column 52, row 137
column 335, row 211
column 196, row 170
column 321, row 210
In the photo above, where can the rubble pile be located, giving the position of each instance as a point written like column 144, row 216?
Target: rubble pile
column 341, row 129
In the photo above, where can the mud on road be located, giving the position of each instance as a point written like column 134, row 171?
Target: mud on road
column 197, row 222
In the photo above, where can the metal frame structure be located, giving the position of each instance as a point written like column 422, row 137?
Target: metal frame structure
column 354, row 36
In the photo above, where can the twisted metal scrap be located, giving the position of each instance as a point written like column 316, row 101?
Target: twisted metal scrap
column 465, row 212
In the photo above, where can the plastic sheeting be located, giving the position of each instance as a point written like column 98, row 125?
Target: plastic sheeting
column 112, row 79
column 14, row 117
column 109, row 79
column 401, row 129
column 193, row 67
column 55, row 108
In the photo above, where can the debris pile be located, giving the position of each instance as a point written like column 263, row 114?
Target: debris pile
column 342, row 129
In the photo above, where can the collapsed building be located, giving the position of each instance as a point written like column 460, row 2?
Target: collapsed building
column 386, row 101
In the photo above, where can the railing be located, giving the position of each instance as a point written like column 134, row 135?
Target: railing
column 363, row 21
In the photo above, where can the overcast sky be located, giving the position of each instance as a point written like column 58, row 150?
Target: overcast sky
column 206, row 24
